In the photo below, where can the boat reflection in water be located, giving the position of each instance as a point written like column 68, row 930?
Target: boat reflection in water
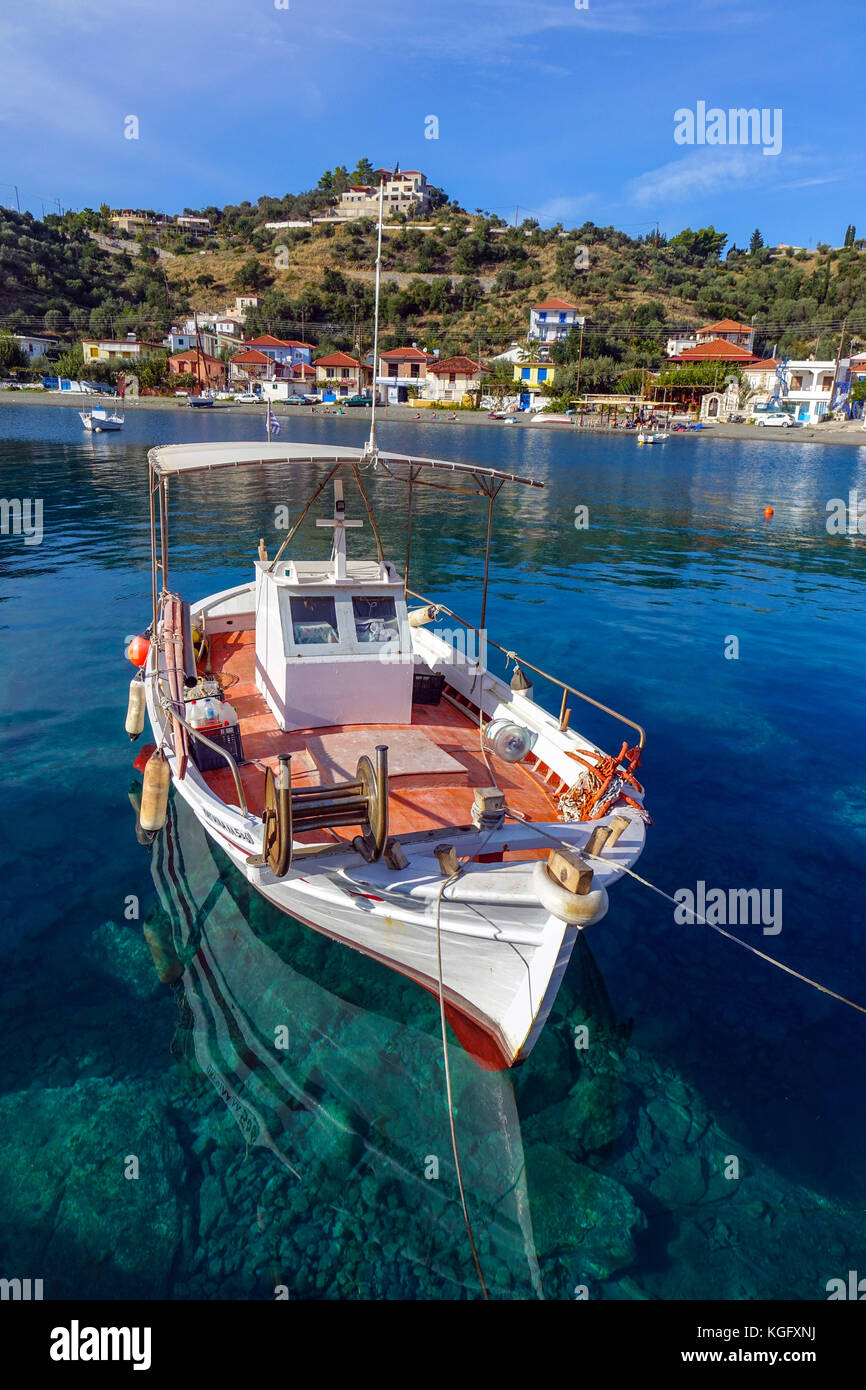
column 332, row 1085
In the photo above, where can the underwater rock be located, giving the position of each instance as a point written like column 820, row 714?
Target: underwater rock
column 576, row 1211
column 211, row 1202
column 683, row 1184
column 67, row 1212
column 596, row 1111
column 671, row 1119
column 120, row 951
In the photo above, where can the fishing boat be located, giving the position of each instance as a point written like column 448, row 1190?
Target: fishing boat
column 371, row 775
column 98, row 420
column 198, row 402
column 348, row 743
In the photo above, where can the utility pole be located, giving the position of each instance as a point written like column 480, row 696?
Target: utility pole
column 516, row 211
column 17, row 202
column 579, row 356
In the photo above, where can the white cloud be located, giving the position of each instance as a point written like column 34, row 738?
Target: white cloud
column 712, row 170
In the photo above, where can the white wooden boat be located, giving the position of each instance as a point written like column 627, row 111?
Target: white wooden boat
column 400, row 827
column 99, row 421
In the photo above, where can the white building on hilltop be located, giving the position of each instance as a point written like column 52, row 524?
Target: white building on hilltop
column 405, row 191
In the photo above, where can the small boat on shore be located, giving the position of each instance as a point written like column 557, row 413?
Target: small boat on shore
column 99, row 421
column 199, row 402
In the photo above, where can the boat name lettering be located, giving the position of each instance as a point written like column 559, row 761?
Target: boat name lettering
column 230, row 829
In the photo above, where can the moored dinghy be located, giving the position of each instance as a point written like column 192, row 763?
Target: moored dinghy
column 373, row 781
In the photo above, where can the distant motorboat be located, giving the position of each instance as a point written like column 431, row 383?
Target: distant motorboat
column 205, row 399
column 98, row 419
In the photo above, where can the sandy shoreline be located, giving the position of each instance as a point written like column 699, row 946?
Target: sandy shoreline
column 848, row 433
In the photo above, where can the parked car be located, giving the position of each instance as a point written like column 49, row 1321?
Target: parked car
column 247, row 398
column 777, row 418
column 358, row 400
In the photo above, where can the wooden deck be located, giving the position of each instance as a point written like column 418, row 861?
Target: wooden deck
column 425, row 791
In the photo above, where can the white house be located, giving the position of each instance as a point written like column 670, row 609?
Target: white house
column 298, row 380
column 34, row 346
column 809, row 386
column 553, row 320
column 282, row 350
column 403, row 192
column 183, row 339
column 681, row 342
column 761, row 378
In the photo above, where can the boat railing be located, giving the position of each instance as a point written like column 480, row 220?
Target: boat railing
column 564, row 711
column 169, row 706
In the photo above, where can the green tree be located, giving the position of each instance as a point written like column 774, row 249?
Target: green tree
column 11, row 354
column 756, row 241
column 251, row 275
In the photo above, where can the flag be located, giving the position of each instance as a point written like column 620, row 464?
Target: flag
column 273, row 422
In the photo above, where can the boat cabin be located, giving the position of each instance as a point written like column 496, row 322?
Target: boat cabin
column 333, row 649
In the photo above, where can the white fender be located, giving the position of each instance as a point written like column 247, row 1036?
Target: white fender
column 574, row 908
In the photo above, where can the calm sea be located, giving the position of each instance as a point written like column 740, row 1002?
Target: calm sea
column 706, row 1142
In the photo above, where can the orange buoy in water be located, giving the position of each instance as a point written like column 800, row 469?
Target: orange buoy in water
column 137, row 651
column 768, row 512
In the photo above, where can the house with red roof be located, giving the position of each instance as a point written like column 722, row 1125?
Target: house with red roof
column 553, row 320
column 455, row 379
column 716, row 350
column 251, row 365
column 207, row 370
column 741, row 334
column 341, row 374
column 401, row 366
column 282, row 349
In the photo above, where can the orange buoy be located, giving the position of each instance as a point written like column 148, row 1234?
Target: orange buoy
column 768, row 512
column 140, row 763
column 138, row 650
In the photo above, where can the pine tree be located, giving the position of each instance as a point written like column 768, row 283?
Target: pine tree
column 756, row 242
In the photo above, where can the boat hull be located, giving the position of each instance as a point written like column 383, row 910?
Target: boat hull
column 503, row 954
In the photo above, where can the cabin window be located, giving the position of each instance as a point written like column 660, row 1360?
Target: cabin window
column 314, row 621
column 375, row 619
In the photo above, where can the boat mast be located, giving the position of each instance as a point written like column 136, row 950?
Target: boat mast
column 371, row 442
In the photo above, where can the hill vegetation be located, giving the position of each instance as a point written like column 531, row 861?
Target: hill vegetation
column 458, row 282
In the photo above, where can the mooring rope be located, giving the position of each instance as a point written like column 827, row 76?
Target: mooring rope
column 788, row 969
column 443, row 885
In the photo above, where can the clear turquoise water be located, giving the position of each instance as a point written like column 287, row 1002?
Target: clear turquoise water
column 603, row 1167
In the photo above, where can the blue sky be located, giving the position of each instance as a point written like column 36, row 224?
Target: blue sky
column 566, row 112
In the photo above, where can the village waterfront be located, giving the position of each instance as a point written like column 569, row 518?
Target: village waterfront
column 605, row 1168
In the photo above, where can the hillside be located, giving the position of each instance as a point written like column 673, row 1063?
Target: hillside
column 460, row 283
